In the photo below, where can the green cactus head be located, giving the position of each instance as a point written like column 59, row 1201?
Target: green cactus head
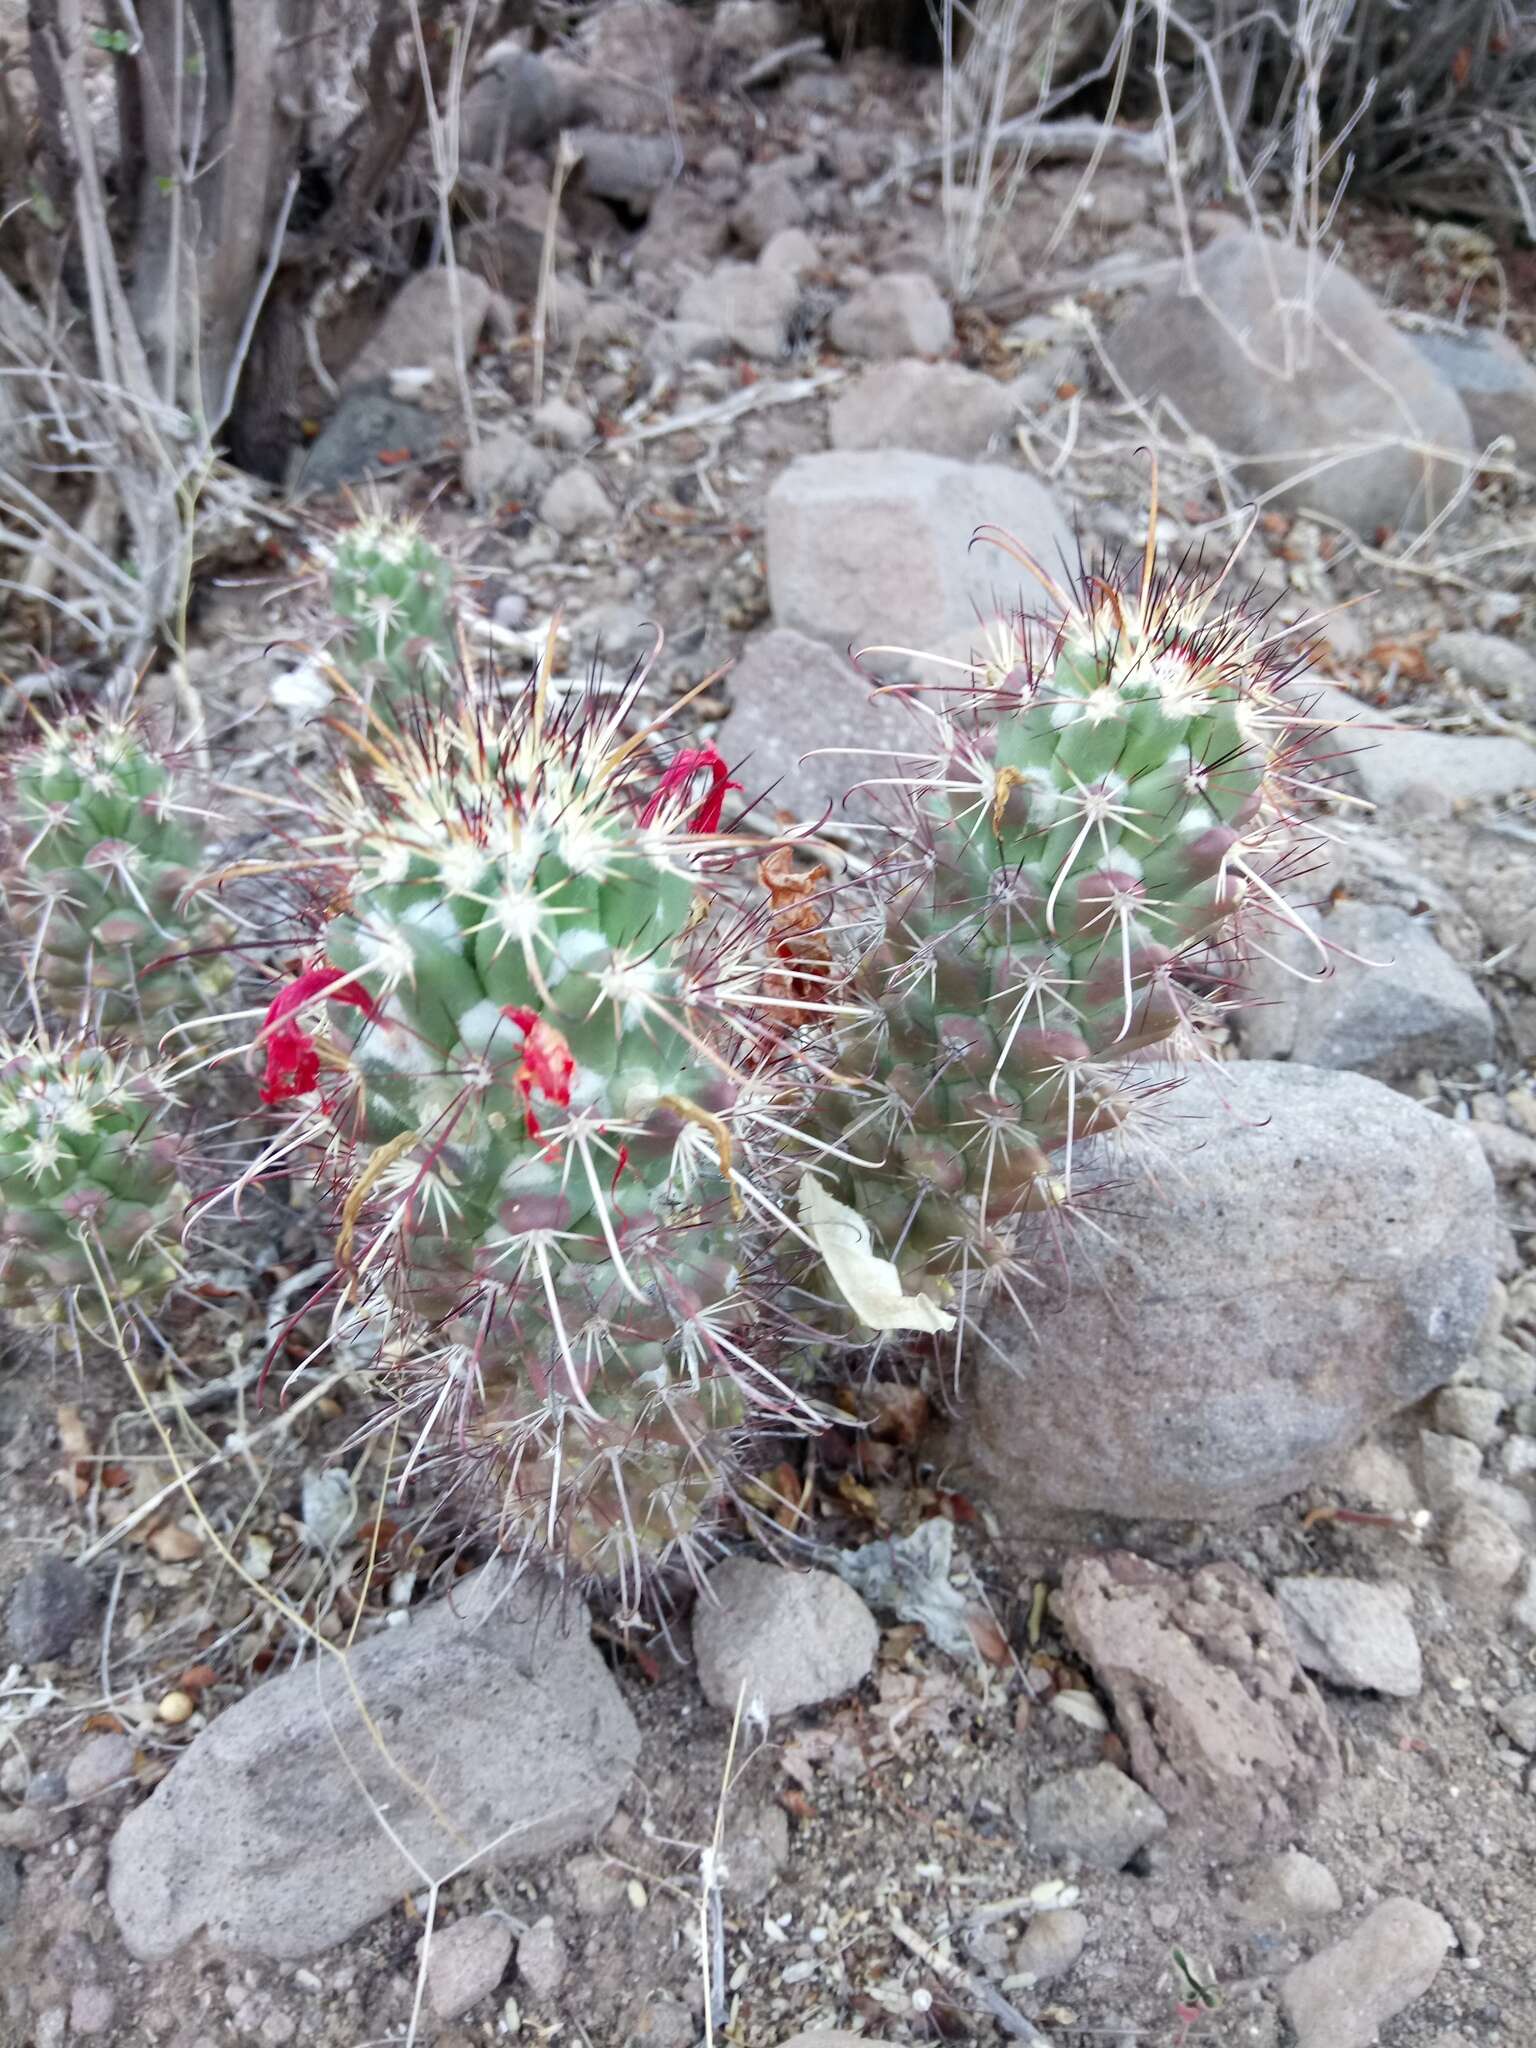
column 550, row 1055
column 392, row 592
column 90, row 1177
column 1111, row 810
column 104, row 880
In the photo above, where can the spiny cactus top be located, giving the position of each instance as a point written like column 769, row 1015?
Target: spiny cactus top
column 90, row 1186
column 1114, row 799
column 538, row 1088
column 104, row 859
column 392, row 591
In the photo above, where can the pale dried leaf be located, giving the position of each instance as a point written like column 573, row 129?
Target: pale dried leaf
column 869, row 1284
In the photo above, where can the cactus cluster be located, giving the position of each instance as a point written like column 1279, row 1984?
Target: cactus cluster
column 104, row 881
column 545, row 1049
column 1112, row 804
column 614, row 1123
column 91, row 1193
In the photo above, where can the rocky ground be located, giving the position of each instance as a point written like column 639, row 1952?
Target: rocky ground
column 1077, row 1734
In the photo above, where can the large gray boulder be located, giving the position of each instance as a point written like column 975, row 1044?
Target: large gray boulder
column 807, row 732
column 1495, row 382
column 1289, row 365
column 494, row 1733
column 1388, row 1000
column 868, row 547
column 1300, row 1254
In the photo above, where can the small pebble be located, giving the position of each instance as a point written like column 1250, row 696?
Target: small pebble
column 91, row 2009
column 176, row 1707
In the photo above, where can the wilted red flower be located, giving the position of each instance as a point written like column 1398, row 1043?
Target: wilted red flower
column 547, row 1064
column 691, row 762
column 293, row 1064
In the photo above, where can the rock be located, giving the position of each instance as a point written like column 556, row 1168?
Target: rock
column 662, row 2022
column 1400, row 1004
column 791, row 1639
column 1098, row 1815
column 1511, row 1155
column 1343, row 1997
column 792, row 251
column 576, row 503
column 1373, row 1477
column 262, row 1833
column 1422, row 774
column 367, row 427
column 505, row 466
column 1523, row 1612
column 791, row 698
column 641, row 56
column 628, row 170
column 516, row 103
column 1146, row 1385
column 92, row 2009
column 599, row 1886
column 773, row 201
column 542, row 1960
column 672, row 345
column 559, row 424
column 1452, row 1468
column 1481, row 1549
column 832, row 2037
column 936, row 408
column 1245, row 367
column 686, row 230
column 1472, row 1412
column 901, row 314
column 31, row 1827
column 1353, row 1633
column 10, row 1884
column 52, row 1604
column 1517, row 1718
column 1488, row 662
column 1050, row 1945
column 52, row 2025
column 106, row 1760
column 466, row 1961
column 754, row 1851
column 1493, row 380
column 751, row 306
column 423, row 327
column 1506, row 1371
column 1288, row 1890
column 869, row 548
column 1220, row 1724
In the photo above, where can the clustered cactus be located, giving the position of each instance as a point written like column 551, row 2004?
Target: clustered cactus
column 105, row 884
column 91, row 1195
column 616, row 1111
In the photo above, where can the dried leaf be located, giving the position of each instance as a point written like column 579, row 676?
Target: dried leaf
column 174, row 1545
column 989, row 1639
column 797, row 932
column 74, row 1438
column 870, row 1285
column 897, row 1414
column 1082, row 1708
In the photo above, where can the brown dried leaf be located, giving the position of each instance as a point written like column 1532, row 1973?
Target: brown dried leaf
column 989, row 1639
column 175, row 1545
column 797, row 932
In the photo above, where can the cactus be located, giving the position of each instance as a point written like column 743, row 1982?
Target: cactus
column 393, row 593
column 536, row 1099
column 90, row 1186
column 104, row 856
column 1113, row 803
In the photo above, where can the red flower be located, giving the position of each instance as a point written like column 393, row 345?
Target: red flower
column 547, row 1064
column 691, row 762
column 293, row 1064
